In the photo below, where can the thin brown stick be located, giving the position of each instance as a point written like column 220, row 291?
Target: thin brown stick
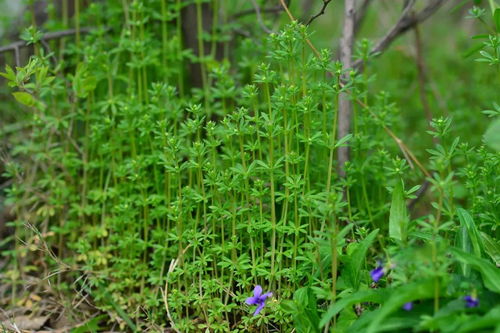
column 173, row 265
column 271, row 10
column 48, row 36
column 419, row 194
column 405, row 22
column 321, row 12
column 259, row 16
column 292, row 18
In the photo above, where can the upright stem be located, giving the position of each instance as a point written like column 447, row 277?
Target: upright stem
column 77, row 23
column 345, row 105
column 201, row 50
column 271, row 176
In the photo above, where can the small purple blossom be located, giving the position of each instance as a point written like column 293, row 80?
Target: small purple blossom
column 471, row 302
column 377, row 273
column 258, row 299
column 408, row 306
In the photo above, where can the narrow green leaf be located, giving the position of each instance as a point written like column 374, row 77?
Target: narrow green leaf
column 489, row 320
column 119, row 310
column 343, row 141
column 463, row 242
column 473, row 233
column 472, row 50
column 398, row 219
column 481, row 36
column 307, row 315
column 489, row 273
column 373, row 295
column 496, row 18
column 9, row 73
column 24, row 98
column 90, row 326
column 357, row 259
column 391, row 324
column 492, row 135
column 491, row 247
column 399, row 296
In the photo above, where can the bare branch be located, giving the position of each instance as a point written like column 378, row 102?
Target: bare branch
column 271, row 10
column 48, row 36
column 259, row 17
column 405, row 22
column 419, row 194
column 321, row 12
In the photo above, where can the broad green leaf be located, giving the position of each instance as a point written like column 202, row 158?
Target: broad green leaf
column 372, row 295
column 398, row 219
column 472, row 50
column 399, row 296
column 83, row 83
column 496, row 18
column 391, row 324
column 346, row 319
column 90, row 326
column 463, row 242
column 489, row 273
column 24, row 98
column 446, row 319
column 307, row 317
column 9, row 73
column 357, row 259
column 492, row 135
column 473, row 233
column 478, row 324
column 343, row 141
column 491, row 247
column 289, row 306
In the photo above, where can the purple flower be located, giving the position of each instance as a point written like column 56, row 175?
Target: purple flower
column 377, row 273
column 471, row 302
column 408, row 306
column 258, row 299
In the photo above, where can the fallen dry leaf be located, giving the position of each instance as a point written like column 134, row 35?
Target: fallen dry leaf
column 24, row 323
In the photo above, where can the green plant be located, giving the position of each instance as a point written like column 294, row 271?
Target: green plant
column 167, row 200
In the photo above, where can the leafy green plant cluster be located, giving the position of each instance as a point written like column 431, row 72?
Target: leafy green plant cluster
column 167, row 203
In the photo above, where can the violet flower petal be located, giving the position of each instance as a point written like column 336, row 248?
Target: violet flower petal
column 251, row 300
column 408, row 306
column 266, row 295
column 377, row 273
column 471, row 302
column 257, row 291
column 259, row 308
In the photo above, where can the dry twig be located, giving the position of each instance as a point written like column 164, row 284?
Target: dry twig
column 259, row 17
column 271, row 10
column 48, row 36
column 321, row 12
column 171, row 268
column 405, row 22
